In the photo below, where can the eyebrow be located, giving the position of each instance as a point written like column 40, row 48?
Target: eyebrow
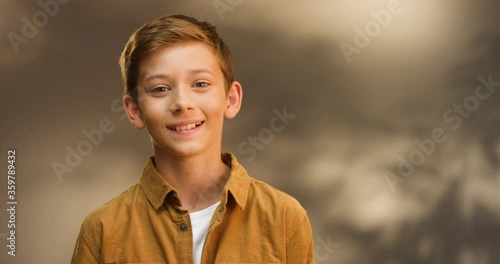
column 194, row 71
column 156, row 76
column 165, row 76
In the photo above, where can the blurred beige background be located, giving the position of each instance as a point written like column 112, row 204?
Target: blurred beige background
column 358, row 115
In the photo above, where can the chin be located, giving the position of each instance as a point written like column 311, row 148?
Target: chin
column 183, row 151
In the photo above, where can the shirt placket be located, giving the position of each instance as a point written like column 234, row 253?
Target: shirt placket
column 208, row 248
column 182, row 222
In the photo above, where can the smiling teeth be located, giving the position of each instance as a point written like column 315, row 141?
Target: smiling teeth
column 181, row 128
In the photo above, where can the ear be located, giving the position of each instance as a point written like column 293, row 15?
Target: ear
column 233, row 100
column 133, row 112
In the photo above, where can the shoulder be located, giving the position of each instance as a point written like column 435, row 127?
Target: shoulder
column 100, row 221
column 266, row 196
column 110, row 211
column 276, row 208
column 261, row 195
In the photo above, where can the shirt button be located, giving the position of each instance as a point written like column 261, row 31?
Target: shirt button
column 183, row 227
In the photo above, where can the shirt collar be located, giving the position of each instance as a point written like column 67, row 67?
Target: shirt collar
column 156, row 188
column 239, row 181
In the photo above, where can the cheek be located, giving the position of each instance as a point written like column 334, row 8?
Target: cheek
column 215, row 107
column 218, row 102
column 153, row 112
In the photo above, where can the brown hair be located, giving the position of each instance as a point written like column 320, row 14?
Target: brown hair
column 168, row 30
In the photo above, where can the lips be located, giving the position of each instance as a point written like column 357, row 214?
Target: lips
column 186, row 127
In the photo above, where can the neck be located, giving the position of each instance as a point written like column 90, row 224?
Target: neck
column 199, row 179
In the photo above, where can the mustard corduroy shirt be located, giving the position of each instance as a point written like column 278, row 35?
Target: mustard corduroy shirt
column 254, row 223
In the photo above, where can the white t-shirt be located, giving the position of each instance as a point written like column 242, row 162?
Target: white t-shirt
column 200, row 221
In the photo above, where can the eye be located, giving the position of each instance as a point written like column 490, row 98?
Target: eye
column 201, row 84
column 159, row 89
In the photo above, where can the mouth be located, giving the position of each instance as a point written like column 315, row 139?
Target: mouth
column 186, row 127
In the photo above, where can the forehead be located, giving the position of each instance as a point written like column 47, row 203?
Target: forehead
column 179, row 58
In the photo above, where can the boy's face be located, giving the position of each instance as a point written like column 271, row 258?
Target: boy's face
column 182, row 100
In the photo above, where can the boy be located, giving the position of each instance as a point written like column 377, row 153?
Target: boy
column 192, row 204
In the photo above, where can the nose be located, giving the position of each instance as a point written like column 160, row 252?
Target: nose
column 181, row 100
